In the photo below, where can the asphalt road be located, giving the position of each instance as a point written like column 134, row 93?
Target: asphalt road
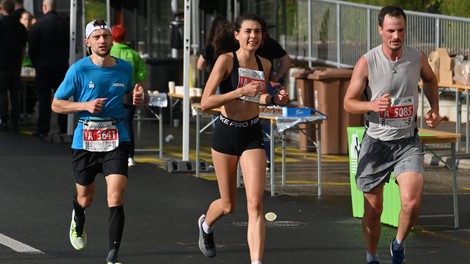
column 36, row 187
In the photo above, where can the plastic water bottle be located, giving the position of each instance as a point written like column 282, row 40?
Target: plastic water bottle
column 159, row 100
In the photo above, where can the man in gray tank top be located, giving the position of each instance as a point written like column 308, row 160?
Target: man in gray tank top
column 384, row 86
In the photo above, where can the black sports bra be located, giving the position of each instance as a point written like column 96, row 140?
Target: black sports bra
column 231, row 82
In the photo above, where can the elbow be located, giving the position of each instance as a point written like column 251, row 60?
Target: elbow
column 345, row 106
column 55, row 108
column 204, row 106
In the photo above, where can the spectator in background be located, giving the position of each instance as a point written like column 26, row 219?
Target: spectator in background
column 19, row 9
column 12, row 46
column 27, row 19
column 207, row 58
column 49, row 52
column 139, row 76
column 272, row 50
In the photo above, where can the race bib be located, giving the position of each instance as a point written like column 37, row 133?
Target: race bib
column 400, row 114
column 100, row 136
column 246, row 76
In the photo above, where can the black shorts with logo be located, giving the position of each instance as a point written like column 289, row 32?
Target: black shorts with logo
column 233, row 137
column 86, row 164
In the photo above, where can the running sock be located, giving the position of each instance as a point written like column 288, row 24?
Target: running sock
column 115, row 228
column 256, row 262
column 79, row 210
column 207, row 229
column 372, row 257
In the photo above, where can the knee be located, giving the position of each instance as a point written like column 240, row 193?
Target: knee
column 373, row 212
column 85, row 201
column 410, row 205
column 115, row 199
column 255, row 205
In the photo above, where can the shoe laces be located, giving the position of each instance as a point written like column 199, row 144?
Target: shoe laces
column 208, row 239
column 78, row 228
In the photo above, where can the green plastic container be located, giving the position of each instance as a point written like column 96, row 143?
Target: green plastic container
column 392, row 204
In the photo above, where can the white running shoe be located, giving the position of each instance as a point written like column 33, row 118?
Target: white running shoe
column 131, row 162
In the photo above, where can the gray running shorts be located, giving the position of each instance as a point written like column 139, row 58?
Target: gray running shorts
column 378, row 159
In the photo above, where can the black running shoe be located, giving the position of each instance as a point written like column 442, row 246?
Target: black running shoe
column 206, row 241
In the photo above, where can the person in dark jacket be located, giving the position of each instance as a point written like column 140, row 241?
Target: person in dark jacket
column 49, row 52
column 12, row 46
column 19, row 9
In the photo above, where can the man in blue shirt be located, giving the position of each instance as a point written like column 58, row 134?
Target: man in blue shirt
column 100, row 144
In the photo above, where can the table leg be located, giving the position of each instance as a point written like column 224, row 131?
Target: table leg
column 421, row 123
column 466, row 125
column 458, row 115
column 271, row 171
column 454, row 187
column 197, row 141
column 139, row 127
column 319, row 160
column 283, row 139
column 160, row 134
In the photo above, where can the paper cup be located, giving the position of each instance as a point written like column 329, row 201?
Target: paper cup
column 171, row 87
column 270, row 216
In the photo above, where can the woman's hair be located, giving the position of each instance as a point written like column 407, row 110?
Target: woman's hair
column 225, row 41
column 217, row 25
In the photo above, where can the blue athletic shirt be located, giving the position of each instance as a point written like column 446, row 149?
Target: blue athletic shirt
column 86, row 81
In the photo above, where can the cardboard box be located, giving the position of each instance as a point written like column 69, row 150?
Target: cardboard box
column 445, row 76
column 445, row 63
column 296, row 112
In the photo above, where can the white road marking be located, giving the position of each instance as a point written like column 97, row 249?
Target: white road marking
column 17, row 245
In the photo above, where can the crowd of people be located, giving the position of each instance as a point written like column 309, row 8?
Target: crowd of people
column 42, row 44
column 239, row 58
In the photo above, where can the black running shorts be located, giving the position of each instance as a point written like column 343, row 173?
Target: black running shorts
column 233, row 137
column 86, row 164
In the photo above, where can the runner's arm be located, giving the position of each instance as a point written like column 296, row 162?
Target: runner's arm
column 67, row 107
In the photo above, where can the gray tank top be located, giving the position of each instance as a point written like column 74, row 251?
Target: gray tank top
column 400, row 80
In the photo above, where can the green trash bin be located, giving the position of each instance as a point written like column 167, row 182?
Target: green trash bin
column 391, row 205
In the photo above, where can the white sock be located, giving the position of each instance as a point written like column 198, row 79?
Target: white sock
column 206, row 228
column 398, row 241
column 256, row 262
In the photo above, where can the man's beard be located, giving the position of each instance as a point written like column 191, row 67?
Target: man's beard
column 102, row 54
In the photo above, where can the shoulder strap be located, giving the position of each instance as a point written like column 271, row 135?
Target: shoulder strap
column 235, row 60
column 260, row 65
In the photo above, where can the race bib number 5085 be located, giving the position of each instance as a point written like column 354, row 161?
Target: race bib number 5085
column 399, row 114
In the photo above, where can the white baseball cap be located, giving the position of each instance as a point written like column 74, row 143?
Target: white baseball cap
column 95, row 25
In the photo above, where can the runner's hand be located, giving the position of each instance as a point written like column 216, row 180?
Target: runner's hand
column 281, row 98
column 253, row 88
column 432, row 118
column 95, row 106
column 138, row 95
column 382, row 103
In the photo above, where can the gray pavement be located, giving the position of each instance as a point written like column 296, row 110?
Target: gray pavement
column 162, row 210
